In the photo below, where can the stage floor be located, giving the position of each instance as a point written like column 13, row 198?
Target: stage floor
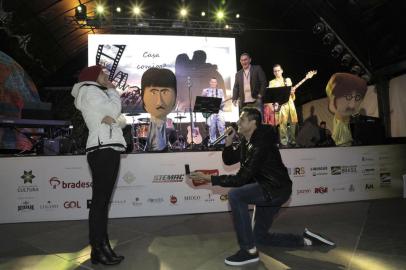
column 369, row 235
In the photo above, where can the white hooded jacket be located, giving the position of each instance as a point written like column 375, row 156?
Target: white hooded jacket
column 96, row 103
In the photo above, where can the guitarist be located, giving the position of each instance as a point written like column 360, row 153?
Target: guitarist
column 215, row 121
column 287, row 117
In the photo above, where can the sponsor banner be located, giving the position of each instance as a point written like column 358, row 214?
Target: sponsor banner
column 329, row 175
column 297, row 171
column 46, row 188
column 344, row 170
column 319, row 170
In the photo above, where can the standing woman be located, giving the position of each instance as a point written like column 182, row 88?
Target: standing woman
column 100, row 104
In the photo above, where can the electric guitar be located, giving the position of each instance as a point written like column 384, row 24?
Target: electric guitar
column 309, row 75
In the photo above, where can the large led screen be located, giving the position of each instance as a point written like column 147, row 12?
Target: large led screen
column 193, row 59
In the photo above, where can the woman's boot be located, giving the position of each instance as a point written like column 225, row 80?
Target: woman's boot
column 100, row 255
column 107, row 248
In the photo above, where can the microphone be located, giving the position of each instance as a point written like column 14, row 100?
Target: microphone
column 219, row 139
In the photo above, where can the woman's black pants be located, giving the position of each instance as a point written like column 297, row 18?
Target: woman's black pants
column 104, row 165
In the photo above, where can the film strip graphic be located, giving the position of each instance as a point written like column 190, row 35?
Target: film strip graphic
column 109, row 56
column 120, row 80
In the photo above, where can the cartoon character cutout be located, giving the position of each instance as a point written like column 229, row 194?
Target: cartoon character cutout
column 345, row 92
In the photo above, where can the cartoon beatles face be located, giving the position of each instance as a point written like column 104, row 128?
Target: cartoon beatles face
column 346, row 92
column 158, row 92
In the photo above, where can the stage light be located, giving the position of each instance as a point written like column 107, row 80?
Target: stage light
column 319, row 28
column 183, row 12
column 99, row 9
column 366, row 77
column 203, row 13
column 237, row 16
column 136, row 10
column 346, row 60
column 328, row 39
column 227, row 26
column 80, row 12
column 118, row 9
column 355, row 69
column 337, row 50
column 220, row 15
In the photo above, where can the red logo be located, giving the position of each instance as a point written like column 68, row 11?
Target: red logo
column 71, row 204
column 173, row 199
column 54, row 182
column 321, row 190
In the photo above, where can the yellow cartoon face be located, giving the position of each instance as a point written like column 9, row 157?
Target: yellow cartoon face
column 349, row 104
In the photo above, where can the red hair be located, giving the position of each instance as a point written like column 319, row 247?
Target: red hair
column 90, row 73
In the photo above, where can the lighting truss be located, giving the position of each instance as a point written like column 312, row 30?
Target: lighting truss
column 159, row 26
column 340, row 41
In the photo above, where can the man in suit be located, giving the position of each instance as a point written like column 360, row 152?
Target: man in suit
column 249, row 84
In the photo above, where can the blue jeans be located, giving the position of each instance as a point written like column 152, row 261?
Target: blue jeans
column 239, row 199
column 216, row 122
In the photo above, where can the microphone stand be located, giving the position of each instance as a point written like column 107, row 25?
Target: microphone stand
column 192, row 128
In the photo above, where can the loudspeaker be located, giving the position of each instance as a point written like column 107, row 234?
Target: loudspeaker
column 308, row 135
column 51, row 147
column 57, row 146
column 65, row 145
column 367, row 130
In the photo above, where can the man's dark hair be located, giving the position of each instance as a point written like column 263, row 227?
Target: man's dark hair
column 253, row 114
column 246, row 54
column 158, row 77
column 322, row 123
column 276, row 65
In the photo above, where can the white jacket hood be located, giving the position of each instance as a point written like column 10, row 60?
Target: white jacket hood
column 77, row 92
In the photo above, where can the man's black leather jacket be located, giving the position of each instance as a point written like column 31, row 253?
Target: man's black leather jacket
column 260, row 161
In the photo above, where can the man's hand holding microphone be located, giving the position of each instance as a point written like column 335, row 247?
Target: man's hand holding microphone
column 195, row 178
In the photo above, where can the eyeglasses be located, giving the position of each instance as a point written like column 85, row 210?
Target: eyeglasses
column 357, row 97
